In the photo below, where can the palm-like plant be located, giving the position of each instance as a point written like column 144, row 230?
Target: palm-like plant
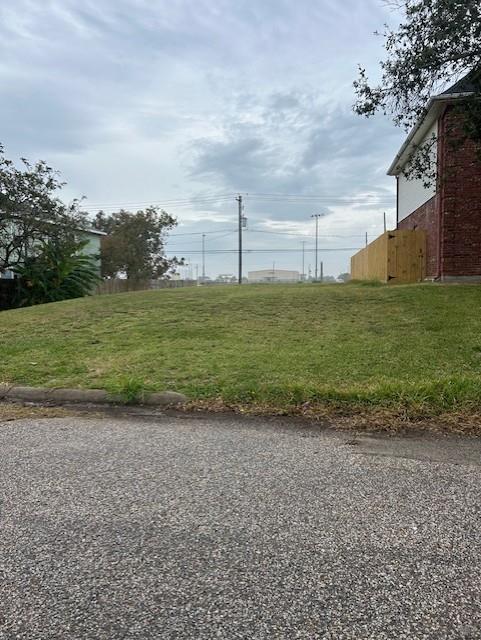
column 58, row 272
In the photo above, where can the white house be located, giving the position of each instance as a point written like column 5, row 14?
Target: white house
column 449, row 211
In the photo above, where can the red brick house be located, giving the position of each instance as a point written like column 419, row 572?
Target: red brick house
column 449, row 212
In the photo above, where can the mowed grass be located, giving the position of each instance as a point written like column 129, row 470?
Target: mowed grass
column 279, row 346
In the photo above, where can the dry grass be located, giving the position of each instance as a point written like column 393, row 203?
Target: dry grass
column 373, row 419
column 13, row 411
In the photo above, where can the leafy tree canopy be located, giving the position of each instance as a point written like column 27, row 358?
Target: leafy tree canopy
column 135, row 242
column 436, row 43
column 30, row 211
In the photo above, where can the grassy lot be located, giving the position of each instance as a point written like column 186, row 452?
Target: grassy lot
column 415, row 348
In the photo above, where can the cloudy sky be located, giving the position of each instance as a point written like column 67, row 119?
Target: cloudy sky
column 186, row 103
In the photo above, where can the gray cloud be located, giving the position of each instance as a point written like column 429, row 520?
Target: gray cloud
column 320, row 149
column 136, row 100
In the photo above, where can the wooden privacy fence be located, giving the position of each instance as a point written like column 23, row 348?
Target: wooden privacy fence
column 118, row 285
column 396, row 256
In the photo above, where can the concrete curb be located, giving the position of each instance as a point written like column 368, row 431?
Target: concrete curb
column 85, row 396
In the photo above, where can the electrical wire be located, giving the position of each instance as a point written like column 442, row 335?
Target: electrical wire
column 321, row 197
column 200, row 233
column 235, row 251
column 212, row 198
column 199, row 197
column 306, row 235
column 216, row 238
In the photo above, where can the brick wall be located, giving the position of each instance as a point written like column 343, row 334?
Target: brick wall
column 425, row 218
column 460, row 202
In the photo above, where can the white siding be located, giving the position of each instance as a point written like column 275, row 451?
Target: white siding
column 413, row 193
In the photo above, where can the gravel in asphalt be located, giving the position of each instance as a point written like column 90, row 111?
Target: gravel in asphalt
column 178, row 527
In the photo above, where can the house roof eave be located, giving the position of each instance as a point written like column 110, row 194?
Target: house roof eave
column 433, row 110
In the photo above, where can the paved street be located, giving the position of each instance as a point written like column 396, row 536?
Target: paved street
column 178, row 527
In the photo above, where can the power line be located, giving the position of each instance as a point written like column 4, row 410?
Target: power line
column 191, row 203
column 307, row 235
column 208, row 207
column 198, row 197
column 244, row 251
column 199, row 233
column 204, row 234
column 211, row 198
column 222, row 196
column 300, row 196
column 109, row 208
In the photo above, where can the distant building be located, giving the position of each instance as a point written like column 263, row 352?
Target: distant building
column 274, row 275
column 226, row 278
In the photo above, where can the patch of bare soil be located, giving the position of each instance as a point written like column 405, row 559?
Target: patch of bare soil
column 13, row 411
column 374, row 419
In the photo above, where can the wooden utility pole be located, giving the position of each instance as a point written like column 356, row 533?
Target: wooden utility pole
column 303, row 259
column 239, row 200
column 316, row 216
column 203, row 257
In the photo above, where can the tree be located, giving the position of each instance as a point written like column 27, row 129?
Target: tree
column 344, row 277
column 135, row 242
column 30, row 212
column 57, row 272
column 436, row 43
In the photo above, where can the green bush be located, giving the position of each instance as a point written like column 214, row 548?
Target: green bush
column 58, row 272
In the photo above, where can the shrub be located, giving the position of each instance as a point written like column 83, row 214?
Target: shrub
column 58, row 272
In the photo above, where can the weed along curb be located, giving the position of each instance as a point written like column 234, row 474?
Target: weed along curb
column 86, row 396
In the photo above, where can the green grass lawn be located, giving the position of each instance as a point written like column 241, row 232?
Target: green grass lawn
column 417, row 346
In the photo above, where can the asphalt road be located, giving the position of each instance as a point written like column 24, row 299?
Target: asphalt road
column 229, row 528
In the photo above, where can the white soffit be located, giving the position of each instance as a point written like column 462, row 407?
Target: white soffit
column 434, row 110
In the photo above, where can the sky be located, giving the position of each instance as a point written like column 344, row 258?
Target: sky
column 185, row 104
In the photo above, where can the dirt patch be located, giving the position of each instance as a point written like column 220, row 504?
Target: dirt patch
column 372, row 419
column 14, row 411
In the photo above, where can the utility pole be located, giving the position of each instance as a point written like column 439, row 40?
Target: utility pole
column 385, row 227
column 322, row 271
column 317, row 216
column 203, row 257
column 239, row 200
column 366, row 239
column 303, row 259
